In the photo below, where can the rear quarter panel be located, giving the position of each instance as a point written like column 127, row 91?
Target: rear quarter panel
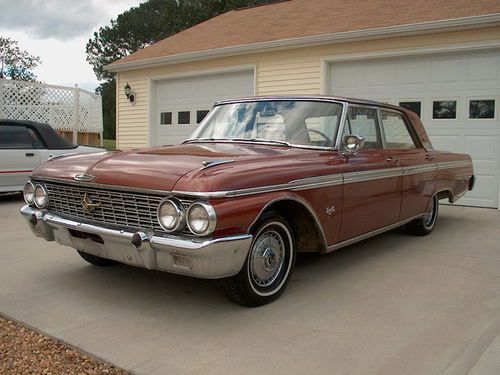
column 452, row 175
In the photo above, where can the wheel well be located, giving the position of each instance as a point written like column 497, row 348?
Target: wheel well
column 445, row 194
column 308, row 236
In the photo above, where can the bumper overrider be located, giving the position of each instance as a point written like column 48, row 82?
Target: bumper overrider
column 197, row 257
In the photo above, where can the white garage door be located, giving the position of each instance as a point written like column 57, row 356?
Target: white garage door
column 457, row 96
column 180, row 104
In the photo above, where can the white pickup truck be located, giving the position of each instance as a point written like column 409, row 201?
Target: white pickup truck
column 24, row 145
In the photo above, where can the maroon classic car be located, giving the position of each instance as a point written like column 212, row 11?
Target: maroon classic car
column 260, row 180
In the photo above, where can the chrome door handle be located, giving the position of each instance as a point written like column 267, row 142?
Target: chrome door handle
column 29, row 154
column 392, row 159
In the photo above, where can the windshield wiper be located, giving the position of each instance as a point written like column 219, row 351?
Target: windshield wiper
column 260, row 140
column 206, row 139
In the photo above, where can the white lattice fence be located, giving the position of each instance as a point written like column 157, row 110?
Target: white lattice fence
column 64, row 108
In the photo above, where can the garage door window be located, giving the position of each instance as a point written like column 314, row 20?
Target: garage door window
column 412, row 106
column 200, row 115
column 396, row 132
column 166, row 118
column 482, row 109
column 184, row 118
column 444, row 109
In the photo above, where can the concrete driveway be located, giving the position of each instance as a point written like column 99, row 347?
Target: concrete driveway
column 393, row 304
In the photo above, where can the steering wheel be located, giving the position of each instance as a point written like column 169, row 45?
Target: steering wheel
column 327, row 141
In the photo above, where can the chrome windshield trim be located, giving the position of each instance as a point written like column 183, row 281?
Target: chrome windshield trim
column 250, row 141
column 101, row 186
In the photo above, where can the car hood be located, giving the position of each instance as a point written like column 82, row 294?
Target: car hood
column 189, row 167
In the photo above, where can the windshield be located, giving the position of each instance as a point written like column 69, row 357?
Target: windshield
column 300, row 123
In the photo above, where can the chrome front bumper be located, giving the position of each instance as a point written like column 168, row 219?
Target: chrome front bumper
column 204, row 258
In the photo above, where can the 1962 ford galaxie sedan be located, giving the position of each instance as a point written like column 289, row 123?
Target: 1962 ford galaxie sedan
column 260, row 180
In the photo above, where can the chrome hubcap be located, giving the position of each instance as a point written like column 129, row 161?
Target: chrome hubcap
column 429, row 215
column 267, row 258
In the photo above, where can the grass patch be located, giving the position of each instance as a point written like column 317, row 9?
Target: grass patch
column 109, row 144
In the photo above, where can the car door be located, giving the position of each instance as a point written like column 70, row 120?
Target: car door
column 372, row 178
column 419, row 167
column 18, row 157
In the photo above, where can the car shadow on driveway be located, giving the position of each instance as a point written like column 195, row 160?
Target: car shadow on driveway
column 153, row 292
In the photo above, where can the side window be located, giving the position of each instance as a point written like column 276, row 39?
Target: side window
column 364, row 122
column 14, row 137
column 395, row 131
column 35, row 139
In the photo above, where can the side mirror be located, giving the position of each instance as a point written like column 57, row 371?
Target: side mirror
column 352, row 144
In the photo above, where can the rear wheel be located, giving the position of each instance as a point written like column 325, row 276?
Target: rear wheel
column 95, row 260
column 268, row 267
column 425, row 225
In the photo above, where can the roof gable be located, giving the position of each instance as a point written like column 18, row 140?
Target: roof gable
column 307, row 18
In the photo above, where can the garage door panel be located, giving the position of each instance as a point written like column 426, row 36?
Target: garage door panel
column 446, row 69
column 193, row 94
column 445, row 142
column 457, row 76
column 482, row 68
column 482, row 148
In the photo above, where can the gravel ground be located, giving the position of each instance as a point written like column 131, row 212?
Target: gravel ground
column 24, row 351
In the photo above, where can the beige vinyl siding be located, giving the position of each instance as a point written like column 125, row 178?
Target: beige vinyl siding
column 289, row 75
column 132, row 119
column 297, row 71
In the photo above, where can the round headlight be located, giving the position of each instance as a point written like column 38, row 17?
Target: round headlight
column 29, row 192
column 41, row 198
column 171, row 215
column 201, row 218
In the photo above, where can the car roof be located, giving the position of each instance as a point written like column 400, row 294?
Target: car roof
column 325, row 98
column 50, row 137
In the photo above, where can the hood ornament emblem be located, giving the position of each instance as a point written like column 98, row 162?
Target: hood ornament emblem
column 88, row 205
column 84, row 177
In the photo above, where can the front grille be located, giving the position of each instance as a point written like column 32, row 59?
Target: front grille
column 117, row 208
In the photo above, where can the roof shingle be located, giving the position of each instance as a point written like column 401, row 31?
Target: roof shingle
column 303, row 18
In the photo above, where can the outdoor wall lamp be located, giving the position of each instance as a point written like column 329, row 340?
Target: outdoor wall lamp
column 129, row 93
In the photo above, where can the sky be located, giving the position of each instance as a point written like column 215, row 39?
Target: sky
column 57, row 31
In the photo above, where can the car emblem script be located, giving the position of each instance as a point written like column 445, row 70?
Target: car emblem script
column 88, row 205
column 84, row 177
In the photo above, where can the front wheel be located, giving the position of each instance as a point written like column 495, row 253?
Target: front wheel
column 426, row 224
column 268, row 267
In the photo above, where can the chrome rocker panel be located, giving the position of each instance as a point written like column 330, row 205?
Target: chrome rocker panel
column 203, row 258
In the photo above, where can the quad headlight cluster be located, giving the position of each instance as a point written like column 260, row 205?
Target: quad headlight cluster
column 200, row 217
column 36, row 194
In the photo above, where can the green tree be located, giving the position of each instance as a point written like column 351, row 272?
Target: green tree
column 16, row 63
column 141, row 26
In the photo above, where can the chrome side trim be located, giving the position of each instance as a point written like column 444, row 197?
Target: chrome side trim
column 454, row 164
column 295, row 185
column 374, row 174
column 370, row 234
column 416, row 169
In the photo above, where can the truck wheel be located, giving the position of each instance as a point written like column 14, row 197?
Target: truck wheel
column 95, row 260
column 426, row 224
column 268, row 267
